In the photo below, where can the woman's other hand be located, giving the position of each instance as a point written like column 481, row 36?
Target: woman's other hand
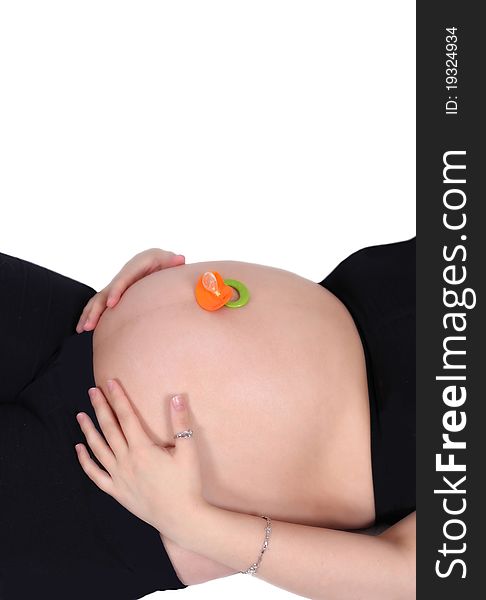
column 142, row 264
column 160, row 485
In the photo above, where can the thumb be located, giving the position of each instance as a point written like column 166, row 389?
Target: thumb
column 181, row 421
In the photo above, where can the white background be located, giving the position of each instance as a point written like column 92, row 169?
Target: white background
column 274, row 132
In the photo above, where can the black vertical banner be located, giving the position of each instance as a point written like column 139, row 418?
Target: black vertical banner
column 451, row 271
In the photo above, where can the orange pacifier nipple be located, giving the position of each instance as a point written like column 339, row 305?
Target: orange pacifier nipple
column 212, row 292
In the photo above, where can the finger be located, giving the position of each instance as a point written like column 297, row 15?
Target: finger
column 166, row 259
column 114, row 296
column 96, row 309
column 163, row 258
column 116, row 289
column 91, row 311
column 128, row 419
column 97, row 475
column 178, row 259
column 89, row 322
column 96, row 442
column 92, row 318
column 82, row 318
column 119, row 285
column 181, row 422
column 136, row 268
column 108, row 422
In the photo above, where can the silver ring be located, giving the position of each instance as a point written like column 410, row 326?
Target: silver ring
column 187, row 433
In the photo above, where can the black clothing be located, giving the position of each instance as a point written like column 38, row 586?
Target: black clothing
column 60, row 535
column 377, row 286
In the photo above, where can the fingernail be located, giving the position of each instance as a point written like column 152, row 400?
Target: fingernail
column 178, row 402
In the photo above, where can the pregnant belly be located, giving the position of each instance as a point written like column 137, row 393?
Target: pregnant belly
column 277, row 389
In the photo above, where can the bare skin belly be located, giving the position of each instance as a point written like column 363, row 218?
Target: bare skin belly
column 277, row 389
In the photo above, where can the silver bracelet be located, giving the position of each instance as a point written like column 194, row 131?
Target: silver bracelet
column 268, row 529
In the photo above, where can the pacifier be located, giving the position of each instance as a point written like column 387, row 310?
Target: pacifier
column 213, row 292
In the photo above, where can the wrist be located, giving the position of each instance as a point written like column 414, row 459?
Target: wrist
column 190, row 526
column 228, row 538
column 194, row 530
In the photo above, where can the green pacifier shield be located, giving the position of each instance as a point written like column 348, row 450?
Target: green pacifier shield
column 242, row 291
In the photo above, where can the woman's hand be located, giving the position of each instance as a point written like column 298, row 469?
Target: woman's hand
column 161, row 486
column 142, row 264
